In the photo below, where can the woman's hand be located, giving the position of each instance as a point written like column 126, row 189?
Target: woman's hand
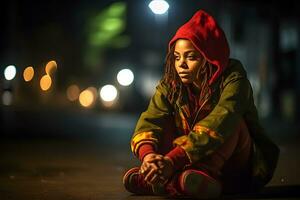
column 167, row 168
column 151, row 167
column 157, row 168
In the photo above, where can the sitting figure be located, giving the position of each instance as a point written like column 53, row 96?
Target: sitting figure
column 200, row 135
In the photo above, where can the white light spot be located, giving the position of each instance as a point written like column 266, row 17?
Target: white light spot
column 159, row 7
column 10, row 72
column 125, row 77
column 108, row 93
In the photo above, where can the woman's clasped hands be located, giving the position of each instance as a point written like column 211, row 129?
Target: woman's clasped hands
column 156, row 168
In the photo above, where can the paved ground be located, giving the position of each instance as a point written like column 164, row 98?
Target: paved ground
column 60, row 170
column 90, row 165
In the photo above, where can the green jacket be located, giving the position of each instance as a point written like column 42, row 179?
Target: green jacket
column 231, row 101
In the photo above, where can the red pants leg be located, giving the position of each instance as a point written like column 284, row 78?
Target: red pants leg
column 229, row 165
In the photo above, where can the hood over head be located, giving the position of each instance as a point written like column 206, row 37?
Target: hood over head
column 208, row 38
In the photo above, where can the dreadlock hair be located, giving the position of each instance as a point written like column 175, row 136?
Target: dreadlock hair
column 172, row 78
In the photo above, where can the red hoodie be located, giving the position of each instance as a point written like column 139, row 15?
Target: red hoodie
column 208, row 38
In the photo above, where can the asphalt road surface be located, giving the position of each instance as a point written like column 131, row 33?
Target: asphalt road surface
column 75, row 156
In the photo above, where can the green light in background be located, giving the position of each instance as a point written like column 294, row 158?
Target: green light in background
column 107, row 25
column 105, row 31
column 112, row 25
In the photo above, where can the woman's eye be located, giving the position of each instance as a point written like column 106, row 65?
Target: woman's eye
column 192, row 57
column 177, row 58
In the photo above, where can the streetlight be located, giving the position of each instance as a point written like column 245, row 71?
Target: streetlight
column 159, row 7
column 125, row 77
column 108, row 93
column 10, row 72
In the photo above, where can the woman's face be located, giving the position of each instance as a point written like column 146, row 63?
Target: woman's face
column 188, row 61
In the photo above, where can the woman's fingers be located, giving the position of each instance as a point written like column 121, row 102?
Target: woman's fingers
column 155, row 158
column 160, row 164
column 145, row 168
column 153, row 170
column 150, row 175
column 154, row 179
column 156, row 171
column 168, row 168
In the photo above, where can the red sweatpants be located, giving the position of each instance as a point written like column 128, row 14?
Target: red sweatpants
column 230, row 164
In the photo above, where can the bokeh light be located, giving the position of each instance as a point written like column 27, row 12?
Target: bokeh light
column 10, row 72
column 45, row 82
column 28, row 73
column 159, row 7
column 7, row 98
column 108, row 93
column 125, row 77
column 112, row 24
column 86, row 98
column 51, row 67
column 73, row 92
column 107, row 26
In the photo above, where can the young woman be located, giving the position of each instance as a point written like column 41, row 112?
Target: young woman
column 200, row 135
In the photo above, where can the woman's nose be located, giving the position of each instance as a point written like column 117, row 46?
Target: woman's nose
column 183, row 64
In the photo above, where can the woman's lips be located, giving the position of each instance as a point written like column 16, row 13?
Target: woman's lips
column 184, row 75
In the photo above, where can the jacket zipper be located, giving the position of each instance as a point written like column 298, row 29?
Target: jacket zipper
column 195, row 119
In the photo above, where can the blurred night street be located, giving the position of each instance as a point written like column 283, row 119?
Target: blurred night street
column 76, row 75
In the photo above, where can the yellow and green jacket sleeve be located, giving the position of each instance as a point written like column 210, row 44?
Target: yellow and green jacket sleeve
column 152, row 123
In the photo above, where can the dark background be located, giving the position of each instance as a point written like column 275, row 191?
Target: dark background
column 52, row 147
